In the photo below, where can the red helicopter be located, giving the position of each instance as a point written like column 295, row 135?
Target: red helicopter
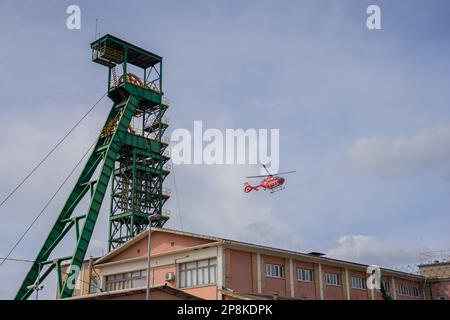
column 270, row 182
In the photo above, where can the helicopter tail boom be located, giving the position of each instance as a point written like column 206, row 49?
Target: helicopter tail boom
column 248, row 187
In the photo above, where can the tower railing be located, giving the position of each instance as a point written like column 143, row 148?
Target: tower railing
column 116, row 81
column 154, row 136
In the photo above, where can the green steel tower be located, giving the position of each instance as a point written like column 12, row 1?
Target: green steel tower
column 131, row 151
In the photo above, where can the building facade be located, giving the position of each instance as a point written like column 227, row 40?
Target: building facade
column 216, row 268
column 437, row 278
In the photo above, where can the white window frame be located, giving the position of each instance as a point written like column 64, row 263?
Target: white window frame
column 358, row 283
column 305, row 275
column 409, row 291
column 385, row 285
column 400, row 289
column 332, row 279
column 124, row 280
column 274, row 270
column 188, row 277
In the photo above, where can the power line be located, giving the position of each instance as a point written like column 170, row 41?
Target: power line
column 50, row 152
column 17, row 260
column 91, row 283
column 32, row 261
column 46, row 205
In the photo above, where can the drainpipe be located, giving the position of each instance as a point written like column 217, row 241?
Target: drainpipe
column 91, row 265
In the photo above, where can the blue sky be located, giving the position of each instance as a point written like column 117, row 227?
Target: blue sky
column 363, row 118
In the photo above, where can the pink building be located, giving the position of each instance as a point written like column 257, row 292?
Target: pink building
column 216, row 268
column 437, row 278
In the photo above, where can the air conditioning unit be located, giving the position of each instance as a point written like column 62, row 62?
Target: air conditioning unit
column 170, row 276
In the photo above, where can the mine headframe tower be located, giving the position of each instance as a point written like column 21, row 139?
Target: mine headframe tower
column 131, row 151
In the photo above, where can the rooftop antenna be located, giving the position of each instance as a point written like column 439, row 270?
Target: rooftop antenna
column 97, row 34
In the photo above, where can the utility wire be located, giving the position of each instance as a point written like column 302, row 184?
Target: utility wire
column 17, row 260
column 50, row 152
column 46, row 205
column 89, row 284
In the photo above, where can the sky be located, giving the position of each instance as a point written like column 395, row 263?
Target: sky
column 363, row 118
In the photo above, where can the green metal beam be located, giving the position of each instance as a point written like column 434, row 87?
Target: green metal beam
column 130, row 100
column 110, row 144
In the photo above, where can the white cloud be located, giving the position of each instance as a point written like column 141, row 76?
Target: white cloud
column 272, row 233
column 426, row 150
column 369, row 250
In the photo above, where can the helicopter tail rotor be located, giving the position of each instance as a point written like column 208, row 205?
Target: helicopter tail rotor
column 248, row 187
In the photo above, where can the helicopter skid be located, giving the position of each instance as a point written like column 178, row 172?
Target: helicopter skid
column 280, row 188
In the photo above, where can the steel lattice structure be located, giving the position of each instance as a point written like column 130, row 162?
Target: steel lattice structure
column 133, row 156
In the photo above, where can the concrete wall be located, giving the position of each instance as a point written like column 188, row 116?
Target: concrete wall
column 440, row 289
column 242, row 277
column 204, row 292
column 407, row 283
column 438, row 275
column 160, row 242
column 272, row 285
column 355, row 293
column 333, row 292
column 389, row 291
column 302, row 289
column 244, row 270
column 135, row 258
column 240, row 269
column 436, row 270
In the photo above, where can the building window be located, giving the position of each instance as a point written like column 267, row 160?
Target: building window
column 305, row 275
column 274, row 270
column 408, row 290
column 333, row 279
column 358, row 283
column 198, row 273
column 385, row 285
column 400, row 289
column 125, row 280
